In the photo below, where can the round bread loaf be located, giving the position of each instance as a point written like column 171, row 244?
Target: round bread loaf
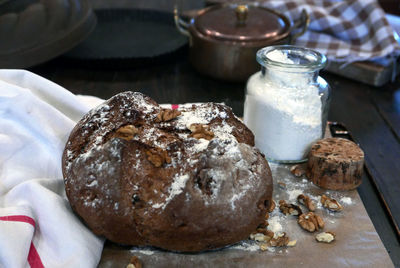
column 335, row 164
column 187, row 180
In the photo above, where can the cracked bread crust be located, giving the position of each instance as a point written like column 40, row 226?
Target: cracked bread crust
column 210, row 194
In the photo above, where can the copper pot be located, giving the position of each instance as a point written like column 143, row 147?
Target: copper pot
column 224, row 38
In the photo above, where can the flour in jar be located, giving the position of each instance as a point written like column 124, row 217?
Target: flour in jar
column 284, row 110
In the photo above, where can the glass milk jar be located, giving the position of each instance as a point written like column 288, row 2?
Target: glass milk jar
column 287, row 102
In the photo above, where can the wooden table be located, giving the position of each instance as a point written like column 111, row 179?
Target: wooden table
column 372, row 115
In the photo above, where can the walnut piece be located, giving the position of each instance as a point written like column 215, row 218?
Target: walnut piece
column 306, row 201
column 272, row 206
column 289, row 209
column 325, row 237
column 167, row 115
column 264, row 246
column 269, row 234
column 298, row 170
column 126, row 132
column 158, row 157
column 282, row 185
column 279, row 241
column 310, row 222
column 200, row 131
column 330, row 203
column 134, row 263
column 260, row 237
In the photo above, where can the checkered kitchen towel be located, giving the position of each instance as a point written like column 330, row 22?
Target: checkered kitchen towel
column 345, row 31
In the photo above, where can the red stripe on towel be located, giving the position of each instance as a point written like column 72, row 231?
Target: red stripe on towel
column 33, row 256
column 174, row 106
column 20, row 218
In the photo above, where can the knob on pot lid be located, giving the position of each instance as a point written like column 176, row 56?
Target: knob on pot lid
column 242, row 22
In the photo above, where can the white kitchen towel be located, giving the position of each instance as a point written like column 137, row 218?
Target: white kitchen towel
column 37, row 225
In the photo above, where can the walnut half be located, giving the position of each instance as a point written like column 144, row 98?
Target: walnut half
column 330, row 203
column 126, row 132
column 166, row 115
column 325, row 237
column 310, row 222
column 158, row 157
column 289, row 209
column 306, row 201
column 200, row 131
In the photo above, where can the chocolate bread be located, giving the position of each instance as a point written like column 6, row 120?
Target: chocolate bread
column 183, row 180
column 335, row 164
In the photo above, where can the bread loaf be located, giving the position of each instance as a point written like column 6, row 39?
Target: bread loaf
column 187, row 180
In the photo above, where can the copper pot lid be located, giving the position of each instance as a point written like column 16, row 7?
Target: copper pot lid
column 244, row 23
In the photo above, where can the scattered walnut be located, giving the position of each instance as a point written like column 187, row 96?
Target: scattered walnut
column 167, row 115
column 279, row 241
column 272, row 206
column 282, row 185
column 330, row 203
column 158, row 157
column 306, row 200
column 126, row 132
column 266, row 216
column 269, row 234
column 292, row 243
column 200, row 131
column 325, row 237
column 310, row 222
column 298, row 170
column 134, row 263
column 264, row 246
column 289, row 209
column 259, row 237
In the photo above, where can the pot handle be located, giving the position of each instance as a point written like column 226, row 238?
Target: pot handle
column 180, row 24
column 302, row 23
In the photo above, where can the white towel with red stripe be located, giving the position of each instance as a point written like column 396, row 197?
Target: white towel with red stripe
column 37, row 225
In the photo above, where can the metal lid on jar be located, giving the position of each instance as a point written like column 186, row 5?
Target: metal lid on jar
column 243, row 23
